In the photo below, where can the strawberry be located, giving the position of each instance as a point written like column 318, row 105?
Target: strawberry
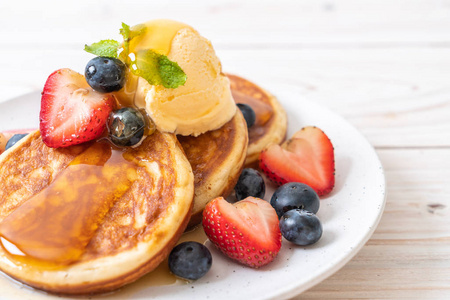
column 247, row 231
column 71, row 111
column 308, row 157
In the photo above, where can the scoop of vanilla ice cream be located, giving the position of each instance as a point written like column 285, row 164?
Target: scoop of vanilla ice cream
column 203, row 103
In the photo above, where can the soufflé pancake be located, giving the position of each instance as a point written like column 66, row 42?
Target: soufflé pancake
column 90, row 218
column 217, row 159
column 271, row 120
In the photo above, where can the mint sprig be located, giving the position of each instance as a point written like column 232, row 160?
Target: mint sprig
column 156, row 68
column 107, row 48
column 130, row 33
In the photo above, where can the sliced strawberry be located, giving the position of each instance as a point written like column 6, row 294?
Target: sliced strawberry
column 71, row 111
column 247, row 231
column 308, row 157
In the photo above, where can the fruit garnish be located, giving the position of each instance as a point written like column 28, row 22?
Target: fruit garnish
column 248, row 113
column 126, row 126
column 105, row 74
column 308, row 157
column 250, row 184
column 190, row 260
column 247, row 231
column 14, row 139
column 5, row 136
column 105, row 48
column 294, row 195
column 71, row 111
column 301, row 227
column 156, row 68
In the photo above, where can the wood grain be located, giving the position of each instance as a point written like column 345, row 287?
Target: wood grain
column 236, row 24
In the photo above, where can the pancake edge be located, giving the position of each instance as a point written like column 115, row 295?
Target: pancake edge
column 111, row 272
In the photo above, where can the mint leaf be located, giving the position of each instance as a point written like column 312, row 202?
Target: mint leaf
column 107, row 48
column 171, row 73
column 157, row 69
column 125, row 32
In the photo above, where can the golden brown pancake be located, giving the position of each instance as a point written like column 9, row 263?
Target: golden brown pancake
column 217, row 159
column 271, row 121
column 129, row 209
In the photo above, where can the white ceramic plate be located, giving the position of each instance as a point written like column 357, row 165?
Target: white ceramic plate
column 349, row 216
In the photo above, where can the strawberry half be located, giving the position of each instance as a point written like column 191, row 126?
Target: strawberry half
column 247, row 231
column 71, row 111
column 308, row 157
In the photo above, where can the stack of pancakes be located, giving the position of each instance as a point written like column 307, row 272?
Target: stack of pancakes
column 173, row 181
column 271, row 120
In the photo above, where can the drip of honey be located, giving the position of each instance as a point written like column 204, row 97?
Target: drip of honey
column 54, row 227
column 158, row 36
column 126, row 95
column 263, row 111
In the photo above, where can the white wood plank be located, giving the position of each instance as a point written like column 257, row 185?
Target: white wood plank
column 408, row 257
column 254, row 24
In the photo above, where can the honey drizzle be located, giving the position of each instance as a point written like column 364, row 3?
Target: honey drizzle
column 158, row 36
column 263, row 111
column 54, row 227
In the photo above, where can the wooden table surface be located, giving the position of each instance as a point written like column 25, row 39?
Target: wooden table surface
column 384, row 65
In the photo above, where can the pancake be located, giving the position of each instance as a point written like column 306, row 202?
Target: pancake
column 122, row 237
column 271, row 120
column 217, row 159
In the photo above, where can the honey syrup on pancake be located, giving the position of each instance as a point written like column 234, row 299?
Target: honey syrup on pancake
column 54, row 227
column 246, row 92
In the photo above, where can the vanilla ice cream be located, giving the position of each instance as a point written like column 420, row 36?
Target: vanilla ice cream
column 204, row 102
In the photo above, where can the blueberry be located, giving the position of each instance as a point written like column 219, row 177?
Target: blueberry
column 190, row 260
column 250, row 183
column 105, row 74
column 249, row 114
column 300, row 227
column 126, row 126
column 14, row 139
column 294, row 195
